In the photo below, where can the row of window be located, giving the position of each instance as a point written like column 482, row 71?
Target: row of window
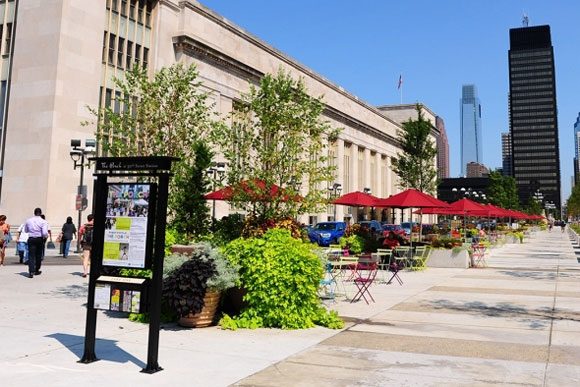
column 533, row 114
column 533, row 161
column 529, row 135
column 123, row 52
column 530, row 74
column 514, row 63
column 532, row 67
column 536, row 168
column 529, row 54
column 547, row 140
column 530, row 81
column 538, row 146
column 531, row 107
column 137, row 10
column 532, row 100
column 535, row 154
column 515, row 96
column 533, row 87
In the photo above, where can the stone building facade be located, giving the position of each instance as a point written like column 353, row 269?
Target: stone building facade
column 80, row 45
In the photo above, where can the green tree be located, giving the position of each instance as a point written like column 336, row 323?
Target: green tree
column 189, row 208
column 415, row 165
column 502, row 191
column 164, row 116
column 277, row 137
column 534, row 207
column 573, row 204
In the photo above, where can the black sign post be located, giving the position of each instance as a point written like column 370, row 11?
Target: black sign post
column 119, row 204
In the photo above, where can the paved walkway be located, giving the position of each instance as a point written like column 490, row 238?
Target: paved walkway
column 515, row 323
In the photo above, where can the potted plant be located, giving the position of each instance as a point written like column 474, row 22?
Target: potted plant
column 193, row 284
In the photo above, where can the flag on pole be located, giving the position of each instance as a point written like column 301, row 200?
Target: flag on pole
column 400, row 81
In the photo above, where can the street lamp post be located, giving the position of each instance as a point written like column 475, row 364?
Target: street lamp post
column 335, row 191
column 368, row 191
column 78, row 155
column 215, row 170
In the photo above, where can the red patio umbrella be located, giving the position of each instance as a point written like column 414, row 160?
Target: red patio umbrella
column 356, row 199
column 255, row 189
column 412, row 198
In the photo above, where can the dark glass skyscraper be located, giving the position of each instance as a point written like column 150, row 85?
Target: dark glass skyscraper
column 533, row 114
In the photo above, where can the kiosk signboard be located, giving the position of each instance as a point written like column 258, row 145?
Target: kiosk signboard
column 127, row 224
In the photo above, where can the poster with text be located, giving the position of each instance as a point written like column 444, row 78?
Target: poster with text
column 126, row 225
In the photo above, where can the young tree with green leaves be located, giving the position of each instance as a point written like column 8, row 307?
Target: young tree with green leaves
column 167, row 115
column 415, row 165
column 278, row 138
column 573, row 204
column 534, row 207
column 502, row 191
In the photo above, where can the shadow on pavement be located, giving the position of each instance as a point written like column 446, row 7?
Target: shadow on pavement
column 105, row 349
column 70, row 292
column 535, row 319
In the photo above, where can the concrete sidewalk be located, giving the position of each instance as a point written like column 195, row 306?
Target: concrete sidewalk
column 513, row 323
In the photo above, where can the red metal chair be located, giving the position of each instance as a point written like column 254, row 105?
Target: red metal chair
column 365, row 276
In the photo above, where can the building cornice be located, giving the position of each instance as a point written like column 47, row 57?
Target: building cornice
column 169, row 3
column 203, row 52
column 233, row 28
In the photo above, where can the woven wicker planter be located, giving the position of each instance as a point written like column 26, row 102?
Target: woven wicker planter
column 206, row 316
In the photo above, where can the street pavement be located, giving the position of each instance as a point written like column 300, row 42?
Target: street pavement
column 514, row 323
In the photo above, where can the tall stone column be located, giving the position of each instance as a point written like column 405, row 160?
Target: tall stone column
column 378, row 176
column 367, row 168
column 340, row 175
column 354, row 168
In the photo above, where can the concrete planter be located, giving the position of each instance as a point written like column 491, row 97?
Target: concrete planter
column 447, row 258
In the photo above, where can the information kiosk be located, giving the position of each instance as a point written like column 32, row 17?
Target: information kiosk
column 130, row 209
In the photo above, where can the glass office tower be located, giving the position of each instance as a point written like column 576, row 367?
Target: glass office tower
column 533, row 114
column 471, row 150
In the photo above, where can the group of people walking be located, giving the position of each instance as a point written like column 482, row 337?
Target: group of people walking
column 33, row 236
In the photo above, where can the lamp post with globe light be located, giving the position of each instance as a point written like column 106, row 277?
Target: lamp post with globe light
column 79, row 155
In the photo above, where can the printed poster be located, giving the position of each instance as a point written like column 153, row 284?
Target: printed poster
column 126, row 225
column 102, row 296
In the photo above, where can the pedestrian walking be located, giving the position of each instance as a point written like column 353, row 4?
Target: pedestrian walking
column 4, row 238
column 37, row 230
column 22, row 244
column 68, row 232
column 563, row 225
column 550, row 225
column 86, row 237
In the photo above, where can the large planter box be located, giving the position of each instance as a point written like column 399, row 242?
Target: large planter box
column 447, row 258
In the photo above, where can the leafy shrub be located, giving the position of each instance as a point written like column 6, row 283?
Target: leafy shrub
column 282, row 275
column 445, row 242
column 227, row 229
column 370, row 243
column 354, row 243
column 173, row 237
column 185, row 288
column 173, row 262
column 256, row 227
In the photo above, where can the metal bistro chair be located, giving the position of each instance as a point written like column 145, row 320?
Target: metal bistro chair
column 328, row 284
column 479, row 251
column 384, row 258
column 419, row 258
column 365, row 276
column 403, row 252
column 343, row 273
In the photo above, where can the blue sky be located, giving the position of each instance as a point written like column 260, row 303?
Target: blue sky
column 437, row 45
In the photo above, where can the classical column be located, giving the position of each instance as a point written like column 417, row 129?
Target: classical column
column 367, row 169
column 354, row 168
column 378, row 175
column 340, row 175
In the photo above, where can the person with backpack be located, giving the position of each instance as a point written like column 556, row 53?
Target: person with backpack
column 86, row 236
